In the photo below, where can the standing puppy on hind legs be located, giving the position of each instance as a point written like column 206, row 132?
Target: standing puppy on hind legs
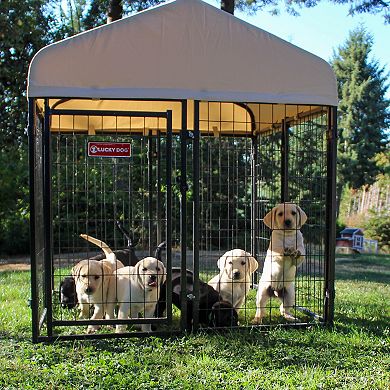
column 285, row 253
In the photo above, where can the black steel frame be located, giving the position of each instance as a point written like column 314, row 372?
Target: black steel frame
column 185, row 138
column 47, row 316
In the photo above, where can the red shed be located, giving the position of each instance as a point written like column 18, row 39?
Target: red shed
column 351, row 240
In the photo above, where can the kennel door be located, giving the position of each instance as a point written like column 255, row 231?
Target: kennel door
column 106, row 167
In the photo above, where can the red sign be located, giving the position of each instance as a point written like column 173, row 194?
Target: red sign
column 109, row 149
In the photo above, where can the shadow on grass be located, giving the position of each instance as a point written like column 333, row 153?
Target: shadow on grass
column 346, row 324
column 363, row 275
column 8, row 336
column 367, row 268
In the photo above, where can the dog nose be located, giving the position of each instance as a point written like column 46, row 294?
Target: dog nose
column 287, row 222
column 88, row 290
column 153, row 277
column 236, row 275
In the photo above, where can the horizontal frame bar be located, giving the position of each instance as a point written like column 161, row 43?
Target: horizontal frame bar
column 118, row 321
column 136, row 114
column 172, row 333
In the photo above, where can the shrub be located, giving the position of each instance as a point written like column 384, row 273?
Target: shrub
column 377, row 227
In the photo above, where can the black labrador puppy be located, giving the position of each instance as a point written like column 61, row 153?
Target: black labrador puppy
column 67, row 290
column 214, row 312
column 68, row 295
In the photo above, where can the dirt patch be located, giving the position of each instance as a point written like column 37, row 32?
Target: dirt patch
column 15, row 263
column 15, row 267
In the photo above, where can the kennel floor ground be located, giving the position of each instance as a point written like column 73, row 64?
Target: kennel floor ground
column 308, row 296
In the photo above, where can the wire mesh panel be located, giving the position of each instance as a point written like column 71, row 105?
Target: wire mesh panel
column 110, row 192
column 225, row 198
column 291, row 167
column 91, row 193
column 244, row 201
column 307, row 168
column 266, row 155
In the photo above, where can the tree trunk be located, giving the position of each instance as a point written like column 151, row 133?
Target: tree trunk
column 114, row 11
column 228, row 6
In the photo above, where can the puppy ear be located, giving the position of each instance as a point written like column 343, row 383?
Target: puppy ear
column 253, row 264
column 73, row 271
column 221, row 262
column 270, row 218
column 137, row 268
column 76, row 270
column 106, row 269
column 302, row 217
column 164, row 275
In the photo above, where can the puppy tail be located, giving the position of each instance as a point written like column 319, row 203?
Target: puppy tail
column 159, row 249
column 102, row 245
column 131, row 243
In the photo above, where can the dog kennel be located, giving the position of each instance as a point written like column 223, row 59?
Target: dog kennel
column 188, row 125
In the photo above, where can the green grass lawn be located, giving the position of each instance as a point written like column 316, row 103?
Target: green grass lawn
column 355, row 354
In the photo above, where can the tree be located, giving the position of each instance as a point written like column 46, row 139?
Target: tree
column 23, row 31
column 102, row 11
column 364, row 113
column 71, row 17
column 115, row 10
column 292, row 6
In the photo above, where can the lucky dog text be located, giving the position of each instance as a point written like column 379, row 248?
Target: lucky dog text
column 109, row 149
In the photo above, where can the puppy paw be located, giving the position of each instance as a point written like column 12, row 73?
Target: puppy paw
column 146, row 328
column 120, row 329
column 290, row 317
column 257, row 321
column 92, row 329
column 293, row 253
column 288, row 251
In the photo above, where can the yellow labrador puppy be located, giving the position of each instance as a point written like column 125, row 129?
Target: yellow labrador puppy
column 234, row 279
column 285, row 253
column 138, row 290
column 93, row 279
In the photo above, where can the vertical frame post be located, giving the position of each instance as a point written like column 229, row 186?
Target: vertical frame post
column 150, row 191
column 31, row 150
column 168, row 233
column 284, row 163
column 254, row 208
column 196, row 216
column 158, row 174
column 47, row 219
column 183, row 213
column 330, row 240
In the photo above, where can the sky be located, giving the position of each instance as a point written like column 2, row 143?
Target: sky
column 322, row 29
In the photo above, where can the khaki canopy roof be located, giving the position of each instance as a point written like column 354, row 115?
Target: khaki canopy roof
column 184, row 49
